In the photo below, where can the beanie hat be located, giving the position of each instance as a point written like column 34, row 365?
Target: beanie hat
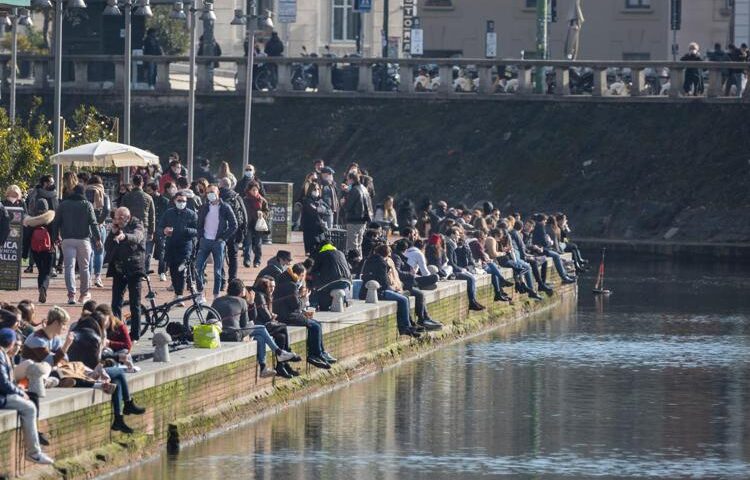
column 7, row 337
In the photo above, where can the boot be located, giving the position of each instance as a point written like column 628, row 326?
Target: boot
column 132, row 409
column 476, row 306
column 42, row 294
column 281, row 371
column 119, row 425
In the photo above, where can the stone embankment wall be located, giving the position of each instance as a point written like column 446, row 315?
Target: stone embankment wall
column 204, row 390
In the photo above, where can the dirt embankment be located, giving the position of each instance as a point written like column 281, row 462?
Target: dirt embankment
column 623, row 171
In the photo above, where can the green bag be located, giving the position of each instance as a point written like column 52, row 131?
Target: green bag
column 207, row 335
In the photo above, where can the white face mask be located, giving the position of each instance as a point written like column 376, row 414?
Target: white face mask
column 212, row 196
column 180, row 205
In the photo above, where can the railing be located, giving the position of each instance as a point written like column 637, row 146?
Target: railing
column 393, row 77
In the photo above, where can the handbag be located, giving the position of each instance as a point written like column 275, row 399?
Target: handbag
column 261, row 225
column 207, row 335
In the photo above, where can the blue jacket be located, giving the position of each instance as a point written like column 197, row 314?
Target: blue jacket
column 7, row 386
column 179, row 245
column 227, row 221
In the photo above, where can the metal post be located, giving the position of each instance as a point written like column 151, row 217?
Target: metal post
column 248, row 91
column 127, row 66
column 13, row 65
column 191, row 96
column 385, row 28
column 674, row 45
column 541, row 43
column 58, row 90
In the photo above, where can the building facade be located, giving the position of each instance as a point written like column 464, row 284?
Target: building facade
column 613, row 29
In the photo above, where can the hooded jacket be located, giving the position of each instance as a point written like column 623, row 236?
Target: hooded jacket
column 141, row 206
column 75, row 219
column 128, row 256
column 179, row 244
column 272, row 269
column 330, row 266
column 286, row 302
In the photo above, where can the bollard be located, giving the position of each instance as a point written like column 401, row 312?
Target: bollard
column 339, row 297
column 372, row 291
column 161, row 343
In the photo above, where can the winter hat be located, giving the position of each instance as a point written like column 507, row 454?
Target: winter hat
column 7, row 337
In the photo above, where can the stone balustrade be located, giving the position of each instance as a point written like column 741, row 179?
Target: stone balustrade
column 501, row 78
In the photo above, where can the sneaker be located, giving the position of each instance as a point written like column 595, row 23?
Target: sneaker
column 476, row 306
column 179, row 303
column 98, row 282
column 170, row 288
column 162, row 277
column 256, row 264
column 201, row 299
column 40, row 458
column 132, row 409
column 54, row 273
column 29, row 269
column 534, row 295
column 430, row 324
column 51, row 382
column 410, row 332
column 318, row 362
column 42, row 294
column 267, row 373
column 43, row 440
column 568, row 280
column 71, row 300
column 84, row 298
column 282, row 371
column 290, row 370
column 285, row 356
column 246, row 263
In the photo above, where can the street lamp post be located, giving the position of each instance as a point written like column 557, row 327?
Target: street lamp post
column 254, row 22
column 57, row 48
column 143, row 9
column 13, row 20
column 178, row 13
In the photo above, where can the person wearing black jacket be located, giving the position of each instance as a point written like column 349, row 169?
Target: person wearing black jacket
column 375, row 267
column 126, row 247
column 179, row 227
column 540, row 239
column 274, row 46
column 161, row 204
column 264, row 293
column 151, row 47
column 288, row 305
column 357, row 211
column 330, row 271
column 276, row 265
column 217, row 226
column 314, row 214
column 451, row 246
column 538, row 264
column 235, row 202
column 410, row 282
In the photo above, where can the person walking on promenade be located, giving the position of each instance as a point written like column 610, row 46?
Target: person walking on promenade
column 175, row 171
column 125, row 247
column 256, row 208
column 99, row 199
column 161, row 204
column 330, row 194
column 179, row 225
column 41, row 246
column 75, row 223
column 236, row 203
column 358, row 212
column 217, row 225
column 693, row 76
column 314, row 214
column 152, row 47
column 141, row 206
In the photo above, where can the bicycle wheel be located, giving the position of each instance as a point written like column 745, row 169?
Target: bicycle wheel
column 197, row 314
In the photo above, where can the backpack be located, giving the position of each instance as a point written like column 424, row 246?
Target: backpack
column 237, row 206
column 41, row 242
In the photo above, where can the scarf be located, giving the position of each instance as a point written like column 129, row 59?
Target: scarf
column 254, row 203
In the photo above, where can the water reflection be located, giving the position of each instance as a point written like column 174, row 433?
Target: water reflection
column 652, row 382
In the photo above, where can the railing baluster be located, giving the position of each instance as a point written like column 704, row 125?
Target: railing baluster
column 485, row 80
column 714, row 83
column 600, row 82
column 163, row 82
column 364, row 83
column 638, row 79
column 562, row 81
column 446, row 79
column 406, row 72
column 284, row 83
column 676, row 81
column 525, row 85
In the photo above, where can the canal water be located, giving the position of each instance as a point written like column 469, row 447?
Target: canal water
column 653, row 382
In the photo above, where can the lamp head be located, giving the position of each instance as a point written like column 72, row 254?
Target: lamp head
column 144, row 9
column 5, row 19
column 239, row 17
column 208, row 12
column 24, row 18
column 178, row 12
column 265, row 22
column 111, row 8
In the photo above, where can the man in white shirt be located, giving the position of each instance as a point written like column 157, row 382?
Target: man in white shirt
column 217, row 225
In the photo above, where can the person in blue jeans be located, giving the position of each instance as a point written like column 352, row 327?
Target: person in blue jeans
column 216, row 226
column 377, row 268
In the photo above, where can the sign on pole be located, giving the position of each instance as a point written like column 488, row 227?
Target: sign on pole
column 10, row 252
column 490, row 50
column 417, row 37
column 363, row 6
column 676, row 14
column 409, row 12
column 287, row 11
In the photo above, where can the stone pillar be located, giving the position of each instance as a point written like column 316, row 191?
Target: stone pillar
column 446, row 80
column 205, row 79
column 714, row 83
column 39, row 70
column 676, row 81
column 81, row 74
column 407, row 79
column 525, row 85
column 279, row 196
column 325, row 84
column 119, row 76
column 284, row 83
column 241, row 75
column 600, row 82
column 485, row 80
column 562, row 81
column 364, row 84
column 163, row 84
column 638, row 78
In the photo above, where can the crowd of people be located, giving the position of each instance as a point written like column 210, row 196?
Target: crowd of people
column 732, row 80
column 395, row 250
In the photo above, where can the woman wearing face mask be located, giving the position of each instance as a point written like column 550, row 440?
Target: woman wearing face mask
column 256, row 207
column 13, row 198
column 314, row 214
column 180, row 227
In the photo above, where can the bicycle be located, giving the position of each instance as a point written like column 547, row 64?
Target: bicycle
column 157, row 316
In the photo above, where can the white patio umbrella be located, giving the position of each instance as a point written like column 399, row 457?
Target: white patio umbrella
column 104, row 154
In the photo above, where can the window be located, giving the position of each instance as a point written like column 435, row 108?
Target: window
column 438, row 3
column 637, row 3
column 344, row 21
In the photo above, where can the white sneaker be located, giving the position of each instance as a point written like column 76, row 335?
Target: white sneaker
column 284, row 356
column 181, row 303
column 51, row 382
column 267, row 373
column 201, row 299
column 40, row 458
column 162, row 277
column 98, row 282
